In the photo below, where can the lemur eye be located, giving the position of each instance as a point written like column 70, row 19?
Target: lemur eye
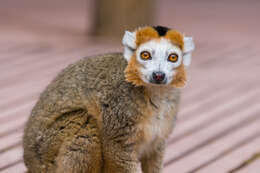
column 173, row 57
column 145, row 55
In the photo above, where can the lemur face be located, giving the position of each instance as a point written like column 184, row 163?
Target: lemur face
column 157, row 56
column 158, row 61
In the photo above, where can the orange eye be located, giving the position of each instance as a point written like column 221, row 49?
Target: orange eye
column 145, row 55
column 173, row 57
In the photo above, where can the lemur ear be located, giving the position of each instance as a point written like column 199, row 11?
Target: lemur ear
column 129, row 44
column 188, row 48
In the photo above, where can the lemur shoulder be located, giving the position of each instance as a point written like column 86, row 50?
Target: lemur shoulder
column 110, row 112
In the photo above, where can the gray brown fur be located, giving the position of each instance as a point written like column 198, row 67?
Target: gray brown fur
column 90, row 120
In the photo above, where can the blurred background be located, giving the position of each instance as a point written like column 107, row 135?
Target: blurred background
column 218, row 128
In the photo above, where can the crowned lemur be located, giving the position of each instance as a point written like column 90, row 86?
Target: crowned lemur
column 110, row 112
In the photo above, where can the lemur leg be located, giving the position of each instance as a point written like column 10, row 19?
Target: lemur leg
column 82, row 152
column 119, row 159
column 116, row 164
column 153, row 162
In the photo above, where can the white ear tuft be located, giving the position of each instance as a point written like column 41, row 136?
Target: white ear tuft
column 188, row 48
column 129, row 39
column 188, row 44
column 129, row 44
column 187, row 59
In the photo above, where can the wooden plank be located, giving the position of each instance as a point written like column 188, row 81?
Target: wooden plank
column 49, row 68
column 188, row 150
column 14, row 167
column 16, row 111
column 16, row 100
column 43, row 63
column 210, row 117
column 15, row 52
column 18, row 122
column 71, row 53
column 10, row 140
column 240, row 60
column 234, row 157
column 12, row 130
column 10, row 157
column 25, row 61
column 207, row 117
column 28, row 87
column 202, row 117
column 201, row 103
column 252, row 167
column 226, row 145
column 237, row 51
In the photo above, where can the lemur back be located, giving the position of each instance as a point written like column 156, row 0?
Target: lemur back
column 91, row 118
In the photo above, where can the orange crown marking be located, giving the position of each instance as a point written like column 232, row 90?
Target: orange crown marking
column 176, row 38
column 145, row 34
column 148, row 33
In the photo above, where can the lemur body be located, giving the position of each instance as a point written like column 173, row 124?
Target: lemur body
column 110, row 112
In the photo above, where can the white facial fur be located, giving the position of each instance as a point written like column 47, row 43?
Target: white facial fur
column 160, row 51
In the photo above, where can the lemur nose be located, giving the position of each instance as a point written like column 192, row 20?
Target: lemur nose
column 158, row 76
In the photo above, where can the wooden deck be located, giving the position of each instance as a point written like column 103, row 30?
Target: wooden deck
column 218, row 126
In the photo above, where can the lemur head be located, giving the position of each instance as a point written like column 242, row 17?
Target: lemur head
column 157, row 56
